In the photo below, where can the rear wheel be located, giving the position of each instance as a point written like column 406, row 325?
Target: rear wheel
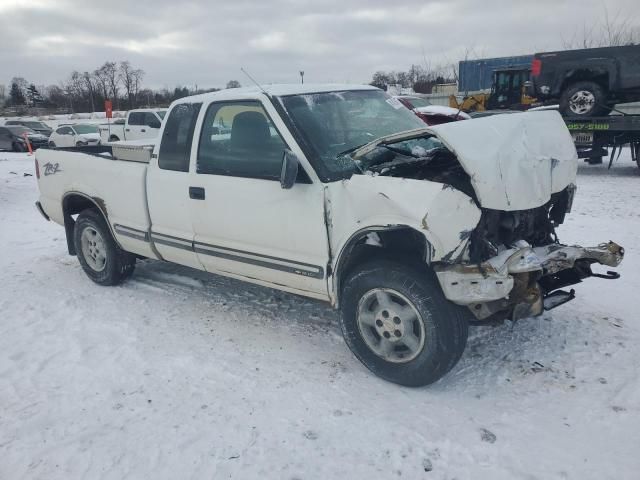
column 584, row 99
column 114, row 138
column 398, row 323
column 101, row 258
column 52, row 144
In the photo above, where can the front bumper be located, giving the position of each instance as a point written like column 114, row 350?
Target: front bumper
column 516, row 282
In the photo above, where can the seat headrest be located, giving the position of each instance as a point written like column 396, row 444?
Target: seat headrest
column 249, row 129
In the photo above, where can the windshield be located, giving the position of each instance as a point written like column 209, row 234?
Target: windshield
column 334, row 124
column 161, row 113
column 19, row 130
column 416, row 102
column 36, row 125
column 82, row 129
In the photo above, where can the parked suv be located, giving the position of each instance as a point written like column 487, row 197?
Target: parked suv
column 587, row 82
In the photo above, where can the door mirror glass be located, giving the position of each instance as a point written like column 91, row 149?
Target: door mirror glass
column 289, row 171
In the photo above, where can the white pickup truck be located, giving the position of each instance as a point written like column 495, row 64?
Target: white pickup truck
column 340, row 194
column 139, row 124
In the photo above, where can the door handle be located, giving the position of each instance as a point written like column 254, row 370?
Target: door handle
column 196, row 193
column 143, row 130
column 127, row 130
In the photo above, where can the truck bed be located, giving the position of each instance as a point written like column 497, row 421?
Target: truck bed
column 98, row 174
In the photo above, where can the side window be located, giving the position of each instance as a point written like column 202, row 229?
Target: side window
column 64, row 131
column 136, row 118
column 175, row 146
column 239, row 139
column 151, row 121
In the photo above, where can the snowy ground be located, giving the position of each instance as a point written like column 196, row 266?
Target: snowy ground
column 178, row 374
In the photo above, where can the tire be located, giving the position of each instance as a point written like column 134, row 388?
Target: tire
column 114, row 138
column 18, row 147
column 101, row 258
column 52, row 145
column 440, row 327
column 584, row 99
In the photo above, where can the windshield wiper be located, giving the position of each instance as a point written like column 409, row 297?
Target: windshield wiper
column 350, row 150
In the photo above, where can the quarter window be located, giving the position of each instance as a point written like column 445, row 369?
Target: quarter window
column 177, row 136
column 239, row 139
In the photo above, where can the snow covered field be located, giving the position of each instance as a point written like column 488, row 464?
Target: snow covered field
column 178, row 374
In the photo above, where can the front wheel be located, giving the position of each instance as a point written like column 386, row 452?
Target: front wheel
column 101, row 258
column 397, row 322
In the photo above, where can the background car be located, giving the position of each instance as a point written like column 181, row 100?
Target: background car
column 12, row 138
column 36, row 126
column 431, row 114
column 78, row 135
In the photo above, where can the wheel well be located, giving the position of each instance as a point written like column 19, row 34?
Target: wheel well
column 73, row 204
column 598, row 76
column 398, row 243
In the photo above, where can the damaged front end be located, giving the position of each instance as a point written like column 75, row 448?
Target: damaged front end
column 524, row 280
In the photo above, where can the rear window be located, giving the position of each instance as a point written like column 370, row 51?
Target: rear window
column 175, row 146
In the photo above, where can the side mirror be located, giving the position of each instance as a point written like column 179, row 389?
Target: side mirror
column 289, row 171
column 155, row 124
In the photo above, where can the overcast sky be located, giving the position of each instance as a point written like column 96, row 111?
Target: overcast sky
column 206, row 42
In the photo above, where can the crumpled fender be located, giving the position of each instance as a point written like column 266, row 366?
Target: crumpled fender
column 444, row 215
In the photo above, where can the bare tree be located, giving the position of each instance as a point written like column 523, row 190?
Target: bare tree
column 612, row 31
column 101, row 79
column 91, row 88
column 131, row 79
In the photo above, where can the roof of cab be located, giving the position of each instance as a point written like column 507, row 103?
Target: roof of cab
column 275, row 90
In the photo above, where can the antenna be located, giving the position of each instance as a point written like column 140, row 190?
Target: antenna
column 257, row 84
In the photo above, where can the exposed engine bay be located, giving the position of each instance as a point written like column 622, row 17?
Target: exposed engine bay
column 513, row 264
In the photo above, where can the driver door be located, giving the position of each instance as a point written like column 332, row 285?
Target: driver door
column 246, row 225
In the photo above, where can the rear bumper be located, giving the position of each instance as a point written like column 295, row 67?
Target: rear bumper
column 516, row 282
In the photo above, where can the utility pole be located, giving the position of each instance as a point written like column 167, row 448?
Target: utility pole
column 302, row 76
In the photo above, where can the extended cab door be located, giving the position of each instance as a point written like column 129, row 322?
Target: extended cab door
column 168, row 187
column 245, row 223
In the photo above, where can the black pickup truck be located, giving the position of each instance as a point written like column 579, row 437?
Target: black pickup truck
column 587, row 82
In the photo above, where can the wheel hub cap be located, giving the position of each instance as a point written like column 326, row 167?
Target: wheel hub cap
column 390, row 325
column 582, row 102
column 93, row 249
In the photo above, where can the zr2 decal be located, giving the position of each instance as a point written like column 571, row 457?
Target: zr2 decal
column 51, row 168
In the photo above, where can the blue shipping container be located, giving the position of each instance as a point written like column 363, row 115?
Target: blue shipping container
column 474, row 75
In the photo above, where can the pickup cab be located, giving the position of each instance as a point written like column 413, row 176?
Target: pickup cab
column 587, row 82
column 139, row 124
column 339, row 193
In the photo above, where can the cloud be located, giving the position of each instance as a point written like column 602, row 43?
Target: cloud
column 206, row 42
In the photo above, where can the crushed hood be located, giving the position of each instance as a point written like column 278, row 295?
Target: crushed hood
column 515, row 161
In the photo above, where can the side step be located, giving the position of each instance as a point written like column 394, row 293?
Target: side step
column 557, row 298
